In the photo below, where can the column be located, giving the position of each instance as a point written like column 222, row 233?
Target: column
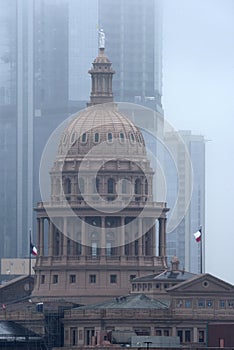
column 140, row 235
column 195, row 340
column 162, row 236
column 83, row 238
column 122, row 236
column 103, row 237
column 38, row 235
column 51, row 237
column 153, row 240
column 41, row 237
column 65, row 236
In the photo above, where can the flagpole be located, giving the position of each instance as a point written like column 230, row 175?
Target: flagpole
column 201, row 270
column 30, row 261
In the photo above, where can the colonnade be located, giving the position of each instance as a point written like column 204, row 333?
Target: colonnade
column 64, row 237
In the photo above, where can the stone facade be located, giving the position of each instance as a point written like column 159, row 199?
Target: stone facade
column 98, row 230
column 186, row 312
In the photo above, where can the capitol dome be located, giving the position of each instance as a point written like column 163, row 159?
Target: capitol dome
column 101, row 125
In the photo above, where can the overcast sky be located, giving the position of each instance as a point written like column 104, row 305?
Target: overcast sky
column 198, row 80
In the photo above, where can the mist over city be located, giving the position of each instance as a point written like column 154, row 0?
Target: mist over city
column 116, row 121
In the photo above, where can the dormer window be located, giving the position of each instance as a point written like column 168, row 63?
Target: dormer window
column 73, row 137
column 121, row 137
column 84, row 137
column 109, row 137
column 132, row 138
column 96, row 137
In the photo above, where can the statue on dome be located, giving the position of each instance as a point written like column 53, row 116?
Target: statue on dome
column 101, row 39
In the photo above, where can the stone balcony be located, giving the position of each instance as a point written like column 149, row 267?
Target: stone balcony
column 80, row 260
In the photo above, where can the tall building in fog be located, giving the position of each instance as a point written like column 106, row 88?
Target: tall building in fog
column 45, row 50
column 180, row 241
column 134, row 36
column 8, row 122
column 33, row 88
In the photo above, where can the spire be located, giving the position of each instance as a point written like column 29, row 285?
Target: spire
column 101, row 75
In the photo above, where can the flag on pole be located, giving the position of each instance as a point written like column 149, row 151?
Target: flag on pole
column 33, row 249
column 198, row 235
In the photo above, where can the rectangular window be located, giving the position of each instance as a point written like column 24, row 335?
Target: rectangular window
column 94, row 248
column 166, row 332
column 113, row 278
column 73, row 335
column 78, row 248
column 92, row 278
column 201, row 303
column 108, row 249
column 42, row 279
column 158, row 332
column 209, row 303
column 180, row 335
column 179, row 303
column 222, row 304
column 187, row 336
column 72, row 278
column 188, row 303
column 201, row 336
column 55, row 279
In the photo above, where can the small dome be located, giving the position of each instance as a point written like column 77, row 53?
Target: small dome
column 101, row 130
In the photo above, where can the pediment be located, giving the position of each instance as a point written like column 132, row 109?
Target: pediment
column 205, row 283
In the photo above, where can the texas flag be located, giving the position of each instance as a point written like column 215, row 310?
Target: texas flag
column 33, row 249
column 198, row 235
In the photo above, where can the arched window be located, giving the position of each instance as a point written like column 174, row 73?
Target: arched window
column 84, row 137
column 109, row 137
column 110, row 185
column 137, row 186
column 121, row 137
column 67, row 186
column 132, row 138
column 73, row 137
column 96, row 137
column 81, row 185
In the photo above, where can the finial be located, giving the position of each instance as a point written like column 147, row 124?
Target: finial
column 101, row 39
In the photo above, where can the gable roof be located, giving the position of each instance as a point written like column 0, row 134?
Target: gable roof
column 202, row 283
column 10, row 330
column 132, row 301
column 166, row 276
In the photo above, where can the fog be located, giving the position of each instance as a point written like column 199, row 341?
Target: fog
column 197, row 95
column 198, row 71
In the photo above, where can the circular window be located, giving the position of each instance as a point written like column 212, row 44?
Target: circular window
column 205, row 284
